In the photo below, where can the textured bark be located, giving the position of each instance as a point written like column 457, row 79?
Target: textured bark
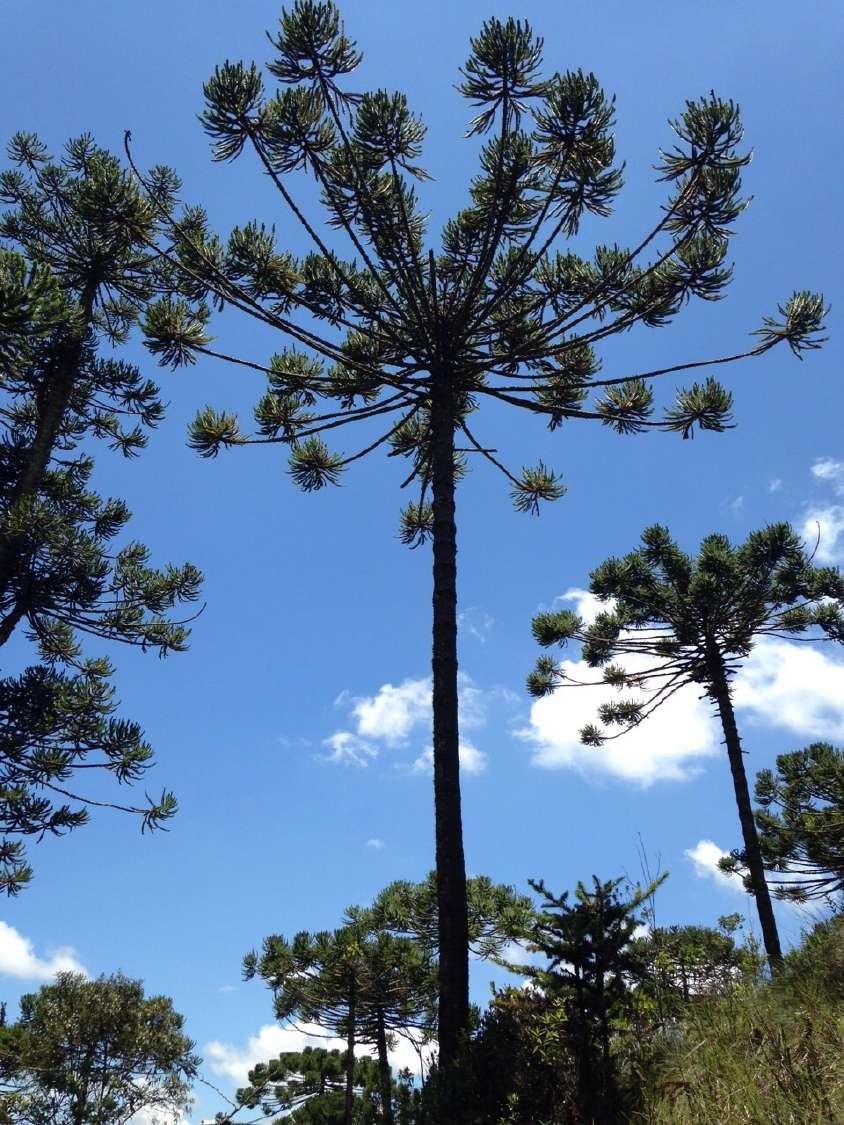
column 451, row 870
column 349, row 1106
column 384, row 1077
column 752, row 853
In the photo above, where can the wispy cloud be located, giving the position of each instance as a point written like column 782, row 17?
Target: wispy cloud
column 376, row 843
column 476, row 623
column 830, row 471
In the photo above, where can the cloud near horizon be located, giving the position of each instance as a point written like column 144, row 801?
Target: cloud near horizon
column 234, row 1062
column 18, row 958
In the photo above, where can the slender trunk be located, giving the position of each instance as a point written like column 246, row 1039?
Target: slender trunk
column 720, row 689
column 349, row 1106
column 52, row 409
column 384, row 1077
column 451, row 870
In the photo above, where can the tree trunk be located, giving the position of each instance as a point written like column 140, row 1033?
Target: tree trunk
column 349, row 1106
column 451, row 870
column 720, row 690
column 50, row 417
column 384, row 1076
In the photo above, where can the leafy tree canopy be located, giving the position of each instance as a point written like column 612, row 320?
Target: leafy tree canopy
column 93, row 1052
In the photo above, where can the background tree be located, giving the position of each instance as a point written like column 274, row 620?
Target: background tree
column 522, row 1069
column 316, row 978
column 416, row 335
column 308, row 1086
column 75, row 274
column 687, row 962
column 800, row 820
column 93, row 1052
column 362, row 986
column 591, row 965
column 399, row 997
column 497, row 914
column 696, row 620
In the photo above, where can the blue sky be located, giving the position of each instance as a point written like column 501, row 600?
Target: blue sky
column 294, row 731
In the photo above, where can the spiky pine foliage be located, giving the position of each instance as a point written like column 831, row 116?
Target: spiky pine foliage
column 498, row 914
column 695, row 620
column 800, row 818
column 75, row 274
column 307, row 1086
column 362, row 985
column 415, row 333
column 592, row 963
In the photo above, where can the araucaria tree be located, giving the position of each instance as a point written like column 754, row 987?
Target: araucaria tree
column 362, row 986
column 592, row 962
column 415, row 334
column 695, row 620
column 75, row 275
column 800, row 818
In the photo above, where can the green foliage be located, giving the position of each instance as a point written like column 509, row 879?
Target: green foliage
column 497, row 311
column 592, row 963
column 359, row 982
column 498, row 914
column 800, row 819
column 307, row 1087
column 75, row 273
column 522, row 1070
column 684, row 965
column 761, row 1053
column 87, row 1052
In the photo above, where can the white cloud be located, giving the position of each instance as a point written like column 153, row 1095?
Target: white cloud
column 158, row 1116
column 376, row 843
column 705, row 856
column 348, row 749
column 18, row 958
column 234, row 1063
column 830, row 471
column 775, row 485
column 823, row 532
column 393, row 712
column 736, row 505
column 472, row 760
column 396, row 714
column 586, row 604
column 666, row 746
column 798, row 687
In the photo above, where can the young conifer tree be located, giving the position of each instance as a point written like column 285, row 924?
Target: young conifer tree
column 695, row 620
column 416, row 333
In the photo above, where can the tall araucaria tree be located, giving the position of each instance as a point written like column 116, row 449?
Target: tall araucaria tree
column 75, row 275
column 694, row 621
column 416, row 334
